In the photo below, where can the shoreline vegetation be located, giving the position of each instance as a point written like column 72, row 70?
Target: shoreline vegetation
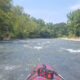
column 66, row 38
column 16, row 24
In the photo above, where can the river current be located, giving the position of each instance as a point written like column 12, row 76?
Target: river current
column 19, row 57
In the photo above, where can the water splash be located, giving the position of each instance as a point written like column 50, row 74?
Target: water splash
column 38, row 47
column 10, row 68
column 73, row 51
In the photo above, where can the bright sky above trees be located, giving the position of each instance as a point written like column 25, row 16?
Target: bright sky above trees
column 49, row 10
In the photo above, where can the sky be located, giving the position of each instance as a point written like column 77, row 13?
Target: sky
column 54, row 11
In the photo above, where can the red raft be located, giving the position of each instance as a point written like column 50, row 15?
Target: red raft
column 44, row 72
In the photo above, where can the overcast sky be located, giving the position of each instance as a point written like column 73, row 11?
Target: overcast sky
column 49, row 10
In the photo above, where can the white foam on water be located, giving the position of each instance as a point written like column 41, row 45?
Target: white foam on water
column 38, row 47
column 73, row 51
column 11, row 67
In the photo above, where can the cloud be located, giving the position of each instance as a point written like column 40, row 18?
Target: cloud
column 75, row 7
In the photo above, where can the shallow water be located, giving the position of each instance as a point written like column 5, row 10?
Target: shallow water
column 19, row 57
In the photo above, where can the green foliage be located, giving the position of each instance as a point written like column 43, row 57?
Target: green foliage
column 14, row 23
column 5, row 5
column 74, row 23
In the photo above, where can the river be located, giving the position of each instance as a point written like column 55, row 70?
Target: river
column 19, row 57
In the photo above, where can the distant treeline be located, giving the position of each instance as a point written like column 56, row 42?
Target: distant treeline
column 16, row 24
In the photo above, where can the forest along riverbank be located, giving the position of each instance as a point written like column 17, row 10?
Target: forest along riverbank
column 23, row 26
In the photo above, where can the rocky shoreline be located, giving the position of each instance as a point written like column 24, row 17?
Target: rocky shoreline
column 71, row 39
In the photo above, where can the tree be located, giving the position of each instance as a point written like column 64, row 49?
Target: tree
column 74, row 23
column 5, row 5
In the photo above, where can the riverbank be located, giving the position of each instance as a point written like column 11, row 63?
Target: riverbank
column 71, row 39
